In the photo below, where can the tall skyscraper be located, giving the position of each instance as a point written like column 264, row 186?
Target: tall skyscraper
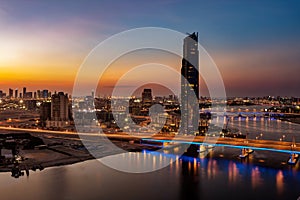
column 10, row 93
column 147, row 97
column 24, row 92
column 16, row 93
column 59, row 113
column 45, row 94
column 45, row 112
column 38, row 94
column 190, row 85
column 59, row 107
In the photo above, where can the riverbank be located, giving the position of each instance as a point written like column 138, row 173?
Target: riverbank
column 66, row 150
column 62, row 150
column 292, row 120
column 47, row 158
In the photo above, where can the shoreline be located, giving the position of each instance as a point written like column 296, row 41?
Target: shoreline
column 294, row 120
column 63, row 151
column 276, row 161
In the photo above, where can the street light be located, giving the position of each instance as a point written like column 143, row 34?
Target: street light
column 259, row 136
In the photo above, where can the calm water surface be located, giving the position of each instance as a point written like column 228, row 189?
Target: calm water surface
column 208, row 179
column 253, row 122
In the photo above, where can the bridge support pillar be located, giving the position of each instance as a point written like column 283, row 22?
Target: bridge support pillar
column 202, row 148
column 192, row 151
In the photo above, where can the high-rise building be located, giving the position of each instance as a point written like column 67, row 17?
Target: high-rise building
column 24, row 92
column 38, row 94
column 59, row 107
column 59, row 110
column 45, row 112
column 190, row 85
column 147, row 97
column 16, row 93
column 10, row 93
column 45, row 94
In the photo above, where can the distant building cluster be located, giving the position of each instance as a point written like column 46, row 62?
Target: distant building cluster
column 24, row 94
column 23, row 100
column 266, row 100
column 54, row 110
column 99, row 112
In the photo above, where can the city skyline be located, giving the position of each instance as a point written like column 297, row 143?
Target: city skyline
column 158, row 91
column 254, row 44
column 175, row 99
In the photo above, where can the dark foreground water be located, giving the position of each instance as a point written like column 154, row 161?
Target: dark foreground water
column 208, row 179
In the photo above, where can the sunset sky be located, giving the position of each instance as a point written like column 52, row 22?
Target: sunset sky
column 255, row 44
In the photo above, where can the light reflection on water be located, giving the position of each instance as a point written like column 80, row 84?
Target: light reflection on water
column 279, row 182
column 201, row 177
column 232, row 173
column 272, row 129
column 255, row 178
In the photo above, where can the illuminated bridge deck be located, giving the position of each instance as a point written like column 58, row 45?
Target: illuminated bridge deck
column 266, row 145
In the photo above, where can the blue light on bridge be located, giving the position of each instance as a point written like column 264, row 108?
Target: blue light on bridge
column 226, row 145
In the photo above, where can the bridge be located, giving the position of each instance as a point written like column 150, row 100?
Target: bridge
column 265, row 145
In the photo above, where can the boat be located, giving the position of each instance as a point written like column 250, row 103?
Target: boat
column 293, row 156
column 244, row 153
column 249, row 151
